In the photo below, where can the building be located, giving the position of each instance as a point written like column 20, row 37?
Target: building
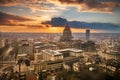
column 51, row 55
column 55, row 59
column 25, row 48
column 38, row 57
column 2, row 43
column 67, row 34
column 71, row 52
column 39, row 46
column 87, row 34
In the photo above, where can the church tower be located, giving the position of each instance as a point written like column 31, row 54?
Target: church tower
column 67, row 34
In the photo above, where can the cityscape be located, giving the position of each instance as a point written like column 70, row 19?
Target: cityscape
column 59, row 40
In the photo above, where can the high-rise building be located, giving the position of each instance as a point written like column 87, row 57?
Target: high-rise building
column 87, row 34
column 67, row 34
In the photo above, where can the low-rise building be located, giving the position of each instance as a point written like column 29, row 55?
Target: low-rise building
column 71, row 52
column 39, row 46
column 51, row 55
column 54, row 59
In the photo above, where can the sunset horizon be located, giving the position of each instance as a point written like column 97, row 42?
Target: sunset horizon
column 59, row 39
column 50, row 16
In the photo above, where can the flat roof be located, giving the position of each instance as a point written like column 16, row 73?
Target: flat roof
column 37, row 46
column 37, row 42
column 48, row 51
column 59, row 52
column 22, row 55
column 38, row 53
column 71, row 49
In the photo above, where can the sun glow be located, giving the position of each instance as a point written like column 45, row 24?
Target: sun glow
column 55, row 29
column 42, row 30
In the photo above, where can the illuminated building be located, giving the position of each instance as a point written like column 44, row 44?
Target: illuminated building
column 67, row 34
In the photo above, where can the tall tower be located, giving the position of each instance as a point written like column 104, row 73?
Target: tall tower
column 67, row 34
column 87, row 34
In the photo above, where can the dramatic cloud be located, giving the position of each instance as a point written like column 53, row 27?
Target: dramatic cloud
column 32, row 4
column 54, row 5
column 93, row 5
column 57, row 22
column 11, row 20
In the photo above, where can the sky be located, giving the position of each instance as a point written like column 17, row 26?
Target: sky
column 34, row 15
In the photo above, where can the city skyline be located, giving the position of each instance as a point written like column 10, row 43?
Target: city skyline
column 41, row 15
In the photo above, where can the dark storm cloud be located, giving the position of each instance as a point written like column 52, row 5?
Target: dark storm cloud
column 57, row 22
column 93, row 5
column 110, row 0
column 8, row 2
column 9, row 19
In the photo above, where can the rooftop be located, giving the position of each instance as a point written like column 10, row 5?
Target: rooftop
column 71, row 49
column 59, row 52
column 48, row 51
column 22, row 55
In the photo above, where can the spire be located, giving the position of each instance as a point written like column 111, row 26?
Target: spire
column 67, row 26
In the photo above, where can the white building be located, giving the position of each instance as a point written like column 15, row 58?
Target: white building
column 71, row 52
column 51, row 55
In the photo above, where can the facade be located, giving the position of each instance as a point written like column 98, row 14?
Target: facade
column 51, row 55
column 67, row 34
column 38, row 57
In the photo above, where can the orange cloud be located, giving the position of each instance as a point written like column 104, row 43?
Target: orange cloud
column 32, row 4
column 82, row 5
column 18, row 23
column 11, row 20
column 43, row 30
